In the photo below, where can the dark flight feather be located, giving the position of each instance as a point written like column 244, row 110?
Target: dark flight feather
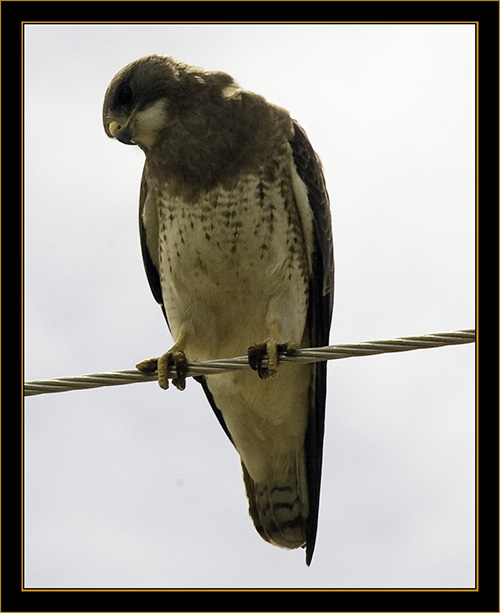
column 320, row 313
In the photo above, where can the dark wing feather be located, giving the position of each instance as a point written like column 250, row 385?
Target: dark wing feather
column 319, row 318
column 152, row 272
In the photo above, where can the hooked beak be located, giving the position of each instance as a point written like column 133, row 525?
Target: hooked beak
column 121, row 133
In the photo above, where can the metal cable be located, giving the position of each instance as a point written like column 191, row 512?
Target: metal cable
column 212, row 367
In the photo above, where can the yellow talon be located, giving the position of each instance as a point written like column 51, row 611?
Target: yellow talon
column 148, row 366
column 174, row 358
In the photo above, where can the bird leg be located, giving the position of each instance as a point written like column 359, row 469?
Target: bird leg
column 270, row 350
column 175, row 358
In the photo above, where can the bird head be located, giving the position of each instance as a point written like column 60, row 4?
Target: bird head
column 152, row 93
column 134, row 109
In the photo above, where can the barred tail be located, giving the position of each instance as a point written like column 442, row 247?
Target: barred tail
column 280, row 510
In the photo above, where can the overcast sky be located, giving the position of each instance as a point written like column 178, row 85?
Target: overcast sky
column 137, row 487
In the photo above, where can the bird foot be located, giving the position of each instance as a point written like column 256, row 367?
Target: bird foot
column 270, row 352
column 171, row 359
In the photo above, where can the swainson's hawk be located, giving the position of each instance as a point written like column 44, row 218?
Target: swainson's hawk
column 237, row 245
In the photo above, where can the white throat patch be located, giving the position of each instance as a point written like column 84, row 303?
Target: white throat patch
column 148, row 122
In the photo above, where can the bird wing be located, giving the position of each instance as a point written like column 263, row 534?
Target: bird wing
column 148, row 231
column 310, row 172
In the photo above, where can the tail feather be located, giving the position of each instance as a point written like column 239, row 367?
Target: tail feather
column 280, row 511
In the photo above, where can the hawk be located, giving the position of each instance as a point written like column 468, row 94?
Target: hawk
column 237, row 245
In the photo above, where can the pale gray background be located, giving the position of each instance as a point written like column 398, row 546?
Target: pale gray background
column 136, row 487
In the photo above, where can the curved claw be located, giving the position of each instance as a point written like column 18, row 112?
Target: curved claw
column 256, row 355
column 177, row 360
column 170, row 359
column 181, row 367
column 266, row 351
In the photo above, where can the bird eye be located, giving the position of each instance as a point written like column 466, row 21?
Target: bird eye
column 124, row 95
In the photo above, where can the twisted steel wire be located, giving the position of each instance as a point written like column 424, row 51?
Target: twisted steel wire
column 213, row 367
